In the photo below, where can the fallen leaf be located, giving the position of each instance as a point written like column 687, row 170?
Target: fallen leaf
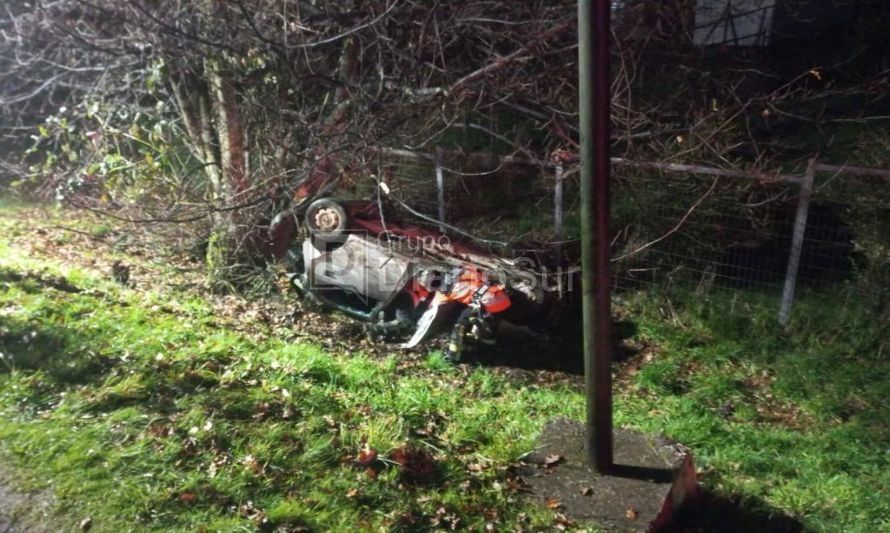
column 563, row 522
column 351, row 493
column 252, row 464
column 552, row 504
column 86, row 524
column 366, row 455
column 632, row 513
column 417, row 465
column 552, row 460
column 188, row 497
column 587, row 491
column 261, row 410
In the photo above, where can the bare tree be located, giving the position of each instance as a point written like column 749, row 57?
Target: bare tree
column 219, row 109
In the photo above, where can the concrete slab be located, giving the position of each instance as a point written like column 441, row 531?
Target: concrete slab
column 652, row 478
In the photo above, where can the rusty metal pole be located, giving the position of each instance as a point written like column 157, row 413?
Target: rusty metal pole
column 594, row 105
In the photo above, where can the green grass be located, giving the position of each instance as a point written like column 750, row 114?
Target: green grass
column 796, row 418
column 145, row 418
column 143, row 409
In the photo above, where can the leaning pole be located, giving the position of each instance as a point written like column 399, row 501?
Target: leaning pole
column 594, row 106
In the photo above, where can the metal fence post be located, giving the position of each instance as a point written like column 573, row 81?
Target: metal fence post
column 800, row 228
column 440, row 186
column 558, row 231
column 558, row 203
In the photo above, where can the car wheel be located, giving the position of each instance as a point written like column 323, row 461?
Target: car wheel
column 326, row 218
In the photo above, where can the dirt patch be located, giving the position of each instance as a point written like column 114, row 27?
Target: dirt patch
column 633, row 356
column 772, row 410
column 22, row 510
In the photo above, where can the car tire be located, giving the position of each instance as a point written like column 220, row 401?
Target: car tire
column 326, row 220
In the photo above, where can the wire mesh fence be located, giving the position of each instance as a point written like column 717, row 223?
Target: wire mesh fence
column 718, row 234
column 729, row 234
column 491, row 197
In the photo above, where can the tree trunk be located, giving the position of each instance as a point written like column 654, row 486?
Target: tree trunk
column 193, row 100
column 223, row 242
column 231, row 132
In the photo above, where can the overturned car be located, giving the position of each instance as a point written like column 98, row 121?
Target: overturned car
column 405, row 281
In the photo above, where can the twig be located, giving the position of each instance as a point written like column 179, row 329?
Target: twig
column 676, row 227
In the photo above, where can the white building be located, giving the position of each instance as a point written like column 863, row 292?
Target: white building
column 733, row 22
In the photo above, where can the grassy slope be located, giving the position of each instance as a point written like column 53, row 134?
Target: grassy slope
column 797, row 418
column 146, row 409
column 141, row 409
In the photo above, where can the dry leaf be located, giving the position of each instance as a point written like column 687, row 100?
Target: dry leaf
column 552, row 460
column 252, row 464
column 86, row 524
column 553, row 504
column 417, row 465
column 587, row 491
column 632, row 513
column 563, row 522
column 366, row 455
